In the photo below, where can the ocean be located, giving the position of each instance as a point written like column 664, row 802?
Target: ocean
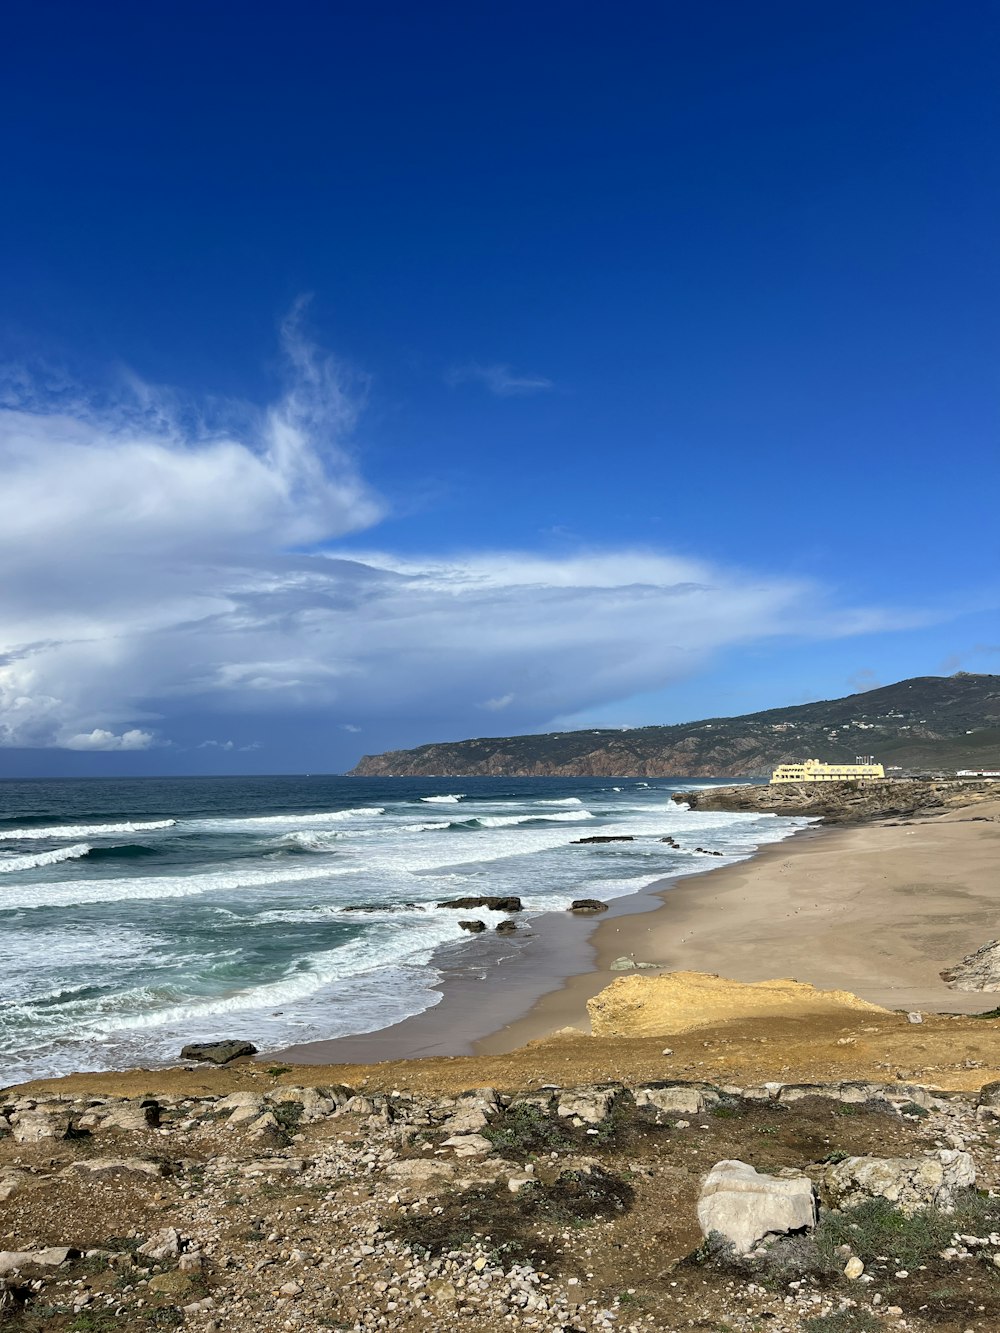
column 136, row 915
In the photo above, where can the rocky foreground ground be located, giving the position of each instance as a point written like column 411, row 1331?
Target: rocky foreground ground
column 572, row 1208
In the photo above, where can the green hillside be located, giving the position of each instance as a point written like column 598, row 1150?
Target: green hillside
column 929, row 723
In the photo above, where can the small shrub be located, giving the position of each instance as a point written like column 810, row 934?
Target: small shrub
column 525, row 1129
column 510, row 1222
column 276, row 1071
column 914, row 1109
column 288, row 1115
column 842, row 1321
column 94, row 1321
column 875, row 1227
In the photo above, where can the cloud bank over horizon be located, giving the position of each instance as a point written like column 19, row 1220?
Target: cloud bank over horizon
column 165, row 564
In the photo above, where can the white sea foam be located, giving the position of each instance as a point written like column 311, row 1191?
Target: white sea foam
column 397, row 943
column 11, row 863
column 505, row 821
column 443, row 800
column 77, row 892
column 314, row 819
column 84, row 830
column 570, row 800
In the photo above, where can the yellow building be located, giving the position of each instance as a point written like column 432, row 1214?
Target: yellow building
column 812, row 770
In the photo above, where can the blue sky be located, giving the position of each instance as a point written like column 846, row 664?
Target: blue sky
column 389, row 373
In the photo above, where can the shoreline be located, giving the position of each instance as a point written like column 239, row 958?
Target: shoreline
column 515, row 990
column 877, row 908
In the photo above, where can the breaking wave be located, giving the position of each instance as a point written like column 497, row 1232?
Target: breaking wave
column 443, row 800
column 505, row 821
column 77, row 892
column 83, row 830
column 12, row 863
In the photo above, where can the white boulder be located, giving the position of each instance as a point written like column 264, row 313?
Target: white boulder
column 745, row 1207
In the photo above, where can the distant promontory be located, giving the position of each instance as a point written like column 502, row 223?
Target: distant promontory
column 927, row 724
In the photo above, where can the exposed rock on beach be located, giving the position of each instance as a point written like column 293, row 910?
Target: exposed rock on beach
column 843, row 802
column 679, row 1001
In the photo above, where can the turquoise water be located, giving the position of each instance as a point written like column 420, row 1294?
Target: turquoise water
column 137, row 915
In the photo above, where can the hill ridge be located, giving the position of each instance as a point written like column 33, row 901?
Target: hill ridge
column 922, row 723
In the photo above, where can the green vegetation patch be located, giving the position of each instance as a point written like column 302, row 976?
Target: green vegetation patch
column 842, row 1321
column 508, row 1223
column 524, row 1130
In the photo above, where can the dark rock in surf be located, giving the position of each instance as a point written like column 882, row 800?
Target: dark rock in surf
column 588, row 906
column 475, row 927
column 217, row 1052
column 493, row 904
column 605, row 837
column 506, row 927
column 379, row 907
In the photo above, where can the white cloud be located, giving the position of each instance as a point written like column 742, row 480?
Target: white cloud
column 157, row 569
column 99, row 739
column 500, row 379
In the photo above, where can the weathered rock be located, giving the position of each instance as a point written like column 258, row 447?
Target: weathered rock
column 245, row 1114
column 274, row 1166
column 468, row 1145
column 910, row 1183
column 316, row 1103
column 49, row 1258
column 672, row 1101
column 989, row 1095
column 165, row 1244
column 117, row 1166
column 131, row 1116
column 587, row 1106
column 506, row 927
column 217, row 1052
column 236, row 1101
column 171, row 1283
column 466, row 1120
column 603, row 837
column 745, row 1207
column 267, row 1123
column 979, row 971
column 508, row 904
column 838, row 802
column 420, row 1170
column 853, row 1268
column 34, row 1126
column 473, row 927
column 588, row 906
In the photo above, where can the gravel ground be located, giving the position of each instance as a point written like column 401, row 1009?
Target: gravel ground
column 549, row 1209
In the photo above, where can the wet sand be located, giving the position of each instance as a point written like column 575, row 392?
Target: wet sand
column 877, row 909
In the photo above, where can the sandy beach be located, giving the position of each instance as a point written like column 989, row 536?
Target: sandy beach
column 878, row 909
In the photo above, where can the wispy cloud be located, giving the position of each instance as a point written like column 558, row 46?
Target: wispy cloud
column 499, row 379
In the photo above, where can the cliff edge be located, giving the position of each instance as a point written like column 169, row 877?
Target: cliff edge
column 843, row 802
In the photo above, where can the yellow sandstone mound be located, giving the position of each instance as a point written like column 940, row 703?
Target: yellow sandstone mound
column 679, row 1001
